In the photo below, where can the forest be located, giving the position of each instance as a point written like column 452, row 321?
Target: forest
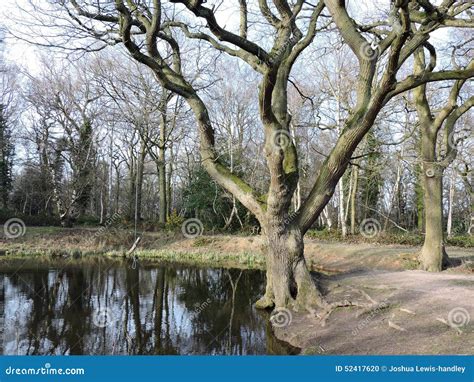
column 320, row 152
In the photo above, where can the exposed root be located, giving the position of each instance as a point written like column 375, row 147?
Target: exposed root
column 265, row 303
column 331, row 307
column 339, row 304
column 373, row 309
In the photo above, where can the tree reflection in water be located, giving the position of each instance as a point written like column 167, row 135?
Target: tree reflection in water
column 52, row 308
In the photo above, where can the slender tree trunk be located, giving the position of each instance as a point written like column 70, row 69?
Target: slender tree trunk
column 139, row 182
column 102, row 207
column 449, row 224
column 355, row 170
column 117, row 189
column 169, row 189
column 163, row 186
column 394, row 195
column 133, row 185
column 342, row 214
column 162, row 159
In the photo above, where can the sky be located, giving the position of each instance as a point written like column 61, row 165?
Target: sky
column 27, row 56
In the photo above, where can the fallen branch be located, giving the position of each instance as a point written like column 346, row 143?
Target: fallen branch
column 134, row 246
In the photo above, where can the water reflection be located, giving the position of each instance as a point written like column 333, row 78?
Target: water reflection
column 78, row 307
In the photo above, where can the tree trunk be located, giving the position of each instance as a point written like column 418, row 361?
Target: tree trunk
column 139, row 182
column 163, row 186
column 449, row 225
column 433, row 255
column 289, row 282
column 342, row 214
column 355, row 170
column 161, row 164
column 169, row 185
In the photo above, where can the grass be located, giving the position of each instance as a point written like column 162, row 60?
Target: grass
column 388, row 238
column 64, row 243
column 210, row 259
column 165, row 246
column 214, row 259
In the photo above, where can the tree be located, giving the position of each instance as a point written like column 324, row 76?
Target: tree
column 436, row 156
column 66, row 111
column 153, row 34
column 7, row 107
column 6, row 158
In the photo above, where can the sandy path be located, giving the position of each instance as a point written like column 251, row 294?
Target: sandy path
column 415, row 312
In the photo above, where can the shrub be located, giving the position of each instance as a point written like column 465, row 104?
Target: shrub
column 174, row 222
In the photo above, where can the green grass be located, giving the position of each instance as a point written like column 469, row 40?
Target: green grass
column 212, row 259
column 388, row 238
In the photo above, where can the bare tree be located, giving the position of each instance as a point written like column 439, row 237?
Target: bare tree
column 154, row 34
column 436, row 156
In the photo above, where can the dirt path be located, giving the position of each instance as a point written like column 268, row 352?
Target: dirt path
column 411, row 312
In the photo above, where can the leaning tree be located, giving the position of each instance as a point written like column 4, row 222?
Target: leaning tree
column 270, row 37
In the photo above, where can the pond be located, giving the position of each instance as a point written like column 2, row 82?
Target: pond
column 93, row 306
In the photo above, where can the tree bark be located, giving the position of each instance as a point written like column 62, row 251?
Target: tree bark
column 289, row 282
column 433, row 254
column 449, row 224
column 163, row 186
column 355, row 170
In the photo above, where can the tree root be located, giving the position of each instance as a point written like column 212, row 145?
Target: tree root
column 328, row 308
column 331, row 307
column 265, row 303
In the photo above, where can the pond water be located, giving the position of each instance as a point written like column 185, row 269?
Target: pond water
column 80, row 306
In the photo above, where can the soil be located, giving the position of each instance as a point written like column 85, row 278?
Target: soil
column 408, row 312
